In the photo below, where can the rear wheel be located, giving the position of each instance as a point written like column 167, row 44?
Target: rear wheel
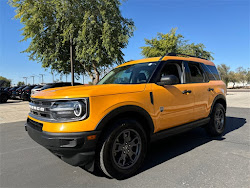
column 123, row 150
column 217, row 122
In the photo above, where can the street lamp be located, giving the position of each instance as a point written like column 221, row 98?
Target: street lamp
column 42, row 77
column 33, row 79
column 25, row 80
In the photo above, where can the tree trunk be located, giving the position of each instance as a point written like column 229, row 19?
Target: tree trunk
column 72, row 61
column 88, row 70
column 97, row 73
column 97, row 77
column 91, row 77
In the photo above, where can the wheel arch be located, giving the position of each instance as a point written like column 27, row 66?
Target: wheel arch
column 219, row 99
column 131, row 111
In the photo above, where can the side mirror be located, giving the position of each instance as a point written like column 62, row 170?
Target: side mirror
column 168, row 80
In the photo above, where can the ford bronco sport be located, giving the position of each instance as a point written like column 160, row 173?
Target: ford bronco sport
column 109, row 125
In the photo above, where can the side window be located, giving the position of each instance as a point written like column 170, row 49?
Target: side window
column 196, row 73
column 172, row 69
column 122, row 77
column 212, row 72
column 143, row 76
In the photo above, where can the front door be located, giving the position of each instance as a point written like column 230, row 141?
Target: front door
column 173, row 105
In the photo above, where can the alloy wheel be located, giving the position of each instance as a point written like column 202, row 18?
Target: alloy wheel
column 126, row 148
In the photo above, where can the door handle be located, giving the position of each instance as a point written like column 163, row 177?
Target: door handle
column 210, row 89
column 186, row 91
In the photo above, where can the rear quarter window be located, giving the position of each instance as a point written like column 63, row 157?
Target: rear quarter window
column 212, row 72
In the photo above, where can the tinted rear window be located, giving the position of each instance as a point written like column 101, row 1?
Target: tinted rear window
column 212, row 72
column 13, row 88
column 28, row 87
column 47, row 86
column 37, row 87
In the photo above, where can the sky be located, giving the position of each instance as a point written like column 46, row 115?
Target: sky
column 221, row 25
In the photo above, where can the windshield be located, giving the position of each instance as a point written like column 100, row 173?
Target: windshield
column 26, row 87
column 130, row 74
column 13, row 88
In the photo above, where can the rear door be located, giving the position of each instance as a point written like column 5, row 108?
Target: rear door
column 172, row 105
column 199, row 84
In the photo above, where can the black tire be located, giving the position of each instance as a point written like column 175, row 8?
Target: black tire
column 3, row 98
column 123, row 149
column 217, row 123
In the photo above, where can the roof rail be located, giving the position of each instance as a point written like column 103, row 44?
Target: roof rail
column 180, row 54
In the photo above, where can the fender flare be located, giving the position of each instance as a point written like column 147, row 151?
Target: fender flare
column 220, row 96
column 123, row 109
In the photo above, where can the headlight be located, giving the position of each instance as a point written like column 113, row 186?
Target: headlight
column 69, row 110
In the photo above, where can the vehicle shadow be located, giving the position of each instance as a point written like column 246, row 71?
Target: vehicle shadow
column 166, row 149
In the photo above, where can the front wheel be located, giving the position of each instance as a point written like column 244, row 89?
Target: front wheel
column 124, row 149
column 217, row 123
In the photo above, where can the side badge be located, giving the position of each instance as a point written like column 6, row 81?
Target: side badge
column 161, row 108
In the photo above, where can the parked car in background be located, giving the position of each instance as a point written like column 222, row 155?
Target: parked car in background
column 26, row 92
column 4, row 96
column 36, row 89
column 53, row 85
column 7, row 89
column 17, row 93
column 12, row 92
column 39, row 88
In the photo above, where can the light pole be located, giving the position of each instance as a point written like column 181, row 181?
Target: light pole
column 25, row 80
column 42, row 77
column 33, row 79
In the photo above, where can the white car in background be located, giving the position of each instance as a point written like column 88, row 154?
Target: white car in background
column 51, row 85
column 36, row 89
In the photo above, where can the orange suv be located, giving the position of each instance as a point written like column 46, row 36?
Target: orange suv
column 109, row 126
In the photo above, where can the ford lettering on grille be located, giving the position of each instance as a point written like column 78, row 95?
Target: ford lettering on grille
column 37, row 108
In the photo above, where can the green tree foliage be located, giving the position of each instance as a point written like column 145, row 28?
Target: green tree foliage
column 242, row 74
column 5, row 82
column 248, row 75
column 175, row 43
column 224, row 72
column 233, row 77
column 96, row 30
column 20, row 83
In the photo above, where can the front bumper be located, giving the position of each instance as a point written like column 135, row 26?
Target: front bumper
column 73, row 148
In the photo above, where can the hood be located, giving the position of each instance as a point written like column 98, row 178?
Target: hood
column 88, row 91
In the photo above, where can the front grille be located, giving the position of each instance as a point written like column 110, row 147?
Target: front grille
column 42, row 103
column 45, row 105
column 35, row 125
column 45, row 115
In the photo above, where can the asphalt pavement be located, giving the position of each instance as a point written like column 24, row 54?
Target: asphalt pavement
column 191, row 159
